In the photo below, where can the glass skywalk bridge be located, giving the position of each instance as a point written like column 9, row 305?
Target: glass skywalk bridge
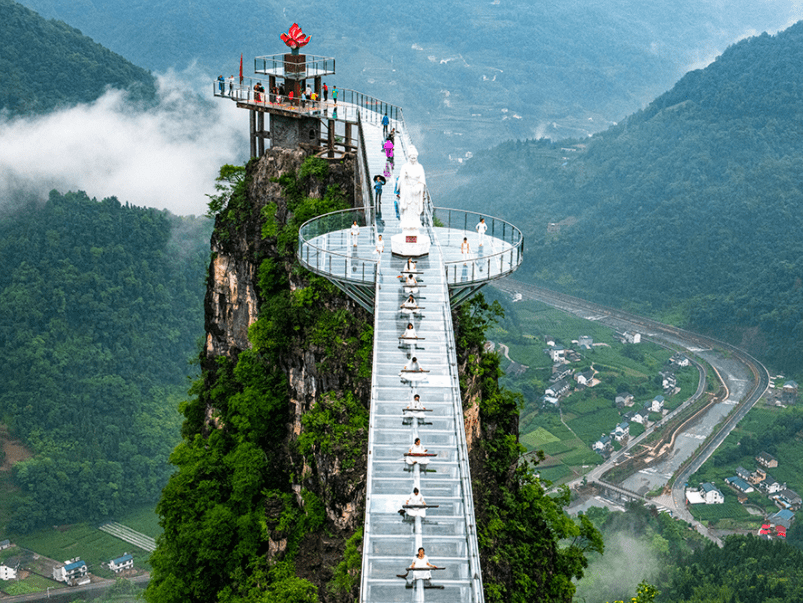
column 448, row 531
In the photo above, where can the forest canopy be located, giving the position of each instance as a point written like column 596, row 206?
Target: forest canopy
column 107, row 307
column 689, row 209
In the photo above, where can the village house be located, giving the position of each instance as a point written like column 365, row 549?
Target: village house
column 758, row 476
column 549, row 401
column 679, row 360
column 624, row 399
column 8, row 573
column 788, row 499
column 641, row 416
column 121, row 563
column 585, row 342
column 557, row 389
column 711, row 494
column 557, row 353
column 560, row 371
column 737, row 483
column 73, row 572
column 770, row 486
column 603, row 445
column 784, row 518
column 585, row 378
column 631, row 337
column 767, row 460
column 621, row 431
column 743, row 473
column 789, row 393
column 657, row 404
column 668, row 381
column 4, row 544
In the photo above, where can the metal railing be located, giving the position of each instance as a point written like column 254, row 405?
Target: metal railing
column 505, row 240
column 325, row 247
column 245, row 93
column 312, row 66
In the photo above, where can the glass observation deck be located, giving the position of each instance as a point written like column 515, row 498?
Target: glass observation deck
column 326, row 246
column 284, row 65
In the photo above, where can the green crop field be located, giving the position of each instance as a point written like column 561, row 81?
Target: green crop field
column 84, row 541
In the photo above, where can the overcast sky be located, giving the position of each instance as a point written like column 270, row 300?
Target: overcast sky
column 166, row 158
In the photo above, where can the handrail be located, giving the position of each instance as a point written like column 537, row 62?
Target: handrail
column 335, row 264
column 367, row 189
column 312, row 66
column 497, row 264
column 462, row 448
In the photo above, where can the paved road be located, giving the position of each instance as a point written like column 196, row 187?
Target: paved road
column 691, row 341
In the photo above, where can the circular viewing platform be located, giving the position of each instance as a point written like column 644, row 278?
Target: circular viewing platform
column 327, row 246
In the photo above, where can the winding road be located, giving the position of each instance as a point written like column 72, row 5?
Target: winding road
column 746, row 380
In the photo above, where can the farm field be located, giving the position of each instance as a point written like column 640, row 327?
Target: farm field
column 565, row 434
column 84, row 541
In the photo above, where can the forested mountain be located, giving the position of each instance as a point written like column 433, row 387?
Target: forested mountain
column 690, row 209
column 48, row 64
column 468, row 73
column 102, row 307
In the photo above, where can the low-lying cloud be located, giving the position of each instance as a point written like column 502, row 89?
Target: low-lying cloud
column 165, row 157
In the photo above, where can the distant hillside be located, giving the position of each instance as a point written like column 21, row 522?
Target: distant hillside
column 691, row 208
column 103, row 307
column 468, row 74
column 47, row 64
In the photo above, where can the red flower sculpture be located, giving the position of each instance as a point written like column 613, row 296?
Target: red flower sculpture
column 295, row 37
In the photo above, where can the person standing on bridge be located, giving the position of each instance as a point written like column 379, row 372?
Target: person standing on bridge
column 325, row 92
column 481, row 228
column 221, row 84
column 385, row 124
column 465, row 250
column 334, row 94
column 355, row 233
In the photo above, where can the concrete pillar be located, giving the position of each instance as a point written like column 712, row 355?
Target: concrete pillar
column 347, row 141
column 261, row 130
column 318, row 88
column 253, row 120
column 331, row 141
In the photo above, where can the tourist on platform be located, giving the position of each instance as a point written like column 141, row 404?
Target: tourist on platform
column 385, row 124
column 355, row 233
column 290, row 98
column 325, row 92
column 410, row 285
column 309, row 91
column 221, row 84
column 334, row 94
column 415, row 499
column 380, row 249
column 412, row 371
column 410, row 306
column 388, row 146
column 303, row 99
column 417, row 449
column 392, row 136
column 231, row 86
column 378, row 184
column 481, row 228
column 409, row 332
column 465, row 250
column 416, row 405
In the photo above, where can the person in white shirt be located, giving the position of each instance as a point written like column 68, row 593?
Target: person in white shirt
column 410, row 284
column 355, row 233
column 410, row 306
column 481, row 228
column 417, row 449
column 465, row 250
column 419, row 562
column 416, row 499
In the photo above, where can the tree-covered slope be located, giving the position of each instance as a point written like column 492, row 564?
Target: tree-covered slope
column 47, row 64
column 102, row 307
column 692, row 205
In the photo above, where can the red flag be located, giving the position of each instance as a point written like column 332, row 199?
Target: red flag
column 241, row 69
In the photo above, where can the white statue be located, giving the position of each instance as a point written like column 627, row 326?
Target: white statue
column 412, row 184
